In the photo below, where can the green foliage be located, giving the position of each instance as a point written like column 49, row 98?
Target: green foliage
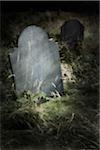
column 61, row 119
column 63, row 122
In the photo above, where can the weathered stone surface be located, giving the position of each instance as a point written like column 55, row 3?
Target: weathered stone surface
column 36, row 63
column 72, row 32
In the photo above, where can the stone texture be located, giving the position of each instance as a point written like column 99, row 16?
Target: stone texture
column 72, row 32
column 36, row 63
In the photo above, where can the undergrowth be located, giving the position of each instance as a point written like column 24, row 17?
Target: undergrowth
column 35, row 121
column 64, row 119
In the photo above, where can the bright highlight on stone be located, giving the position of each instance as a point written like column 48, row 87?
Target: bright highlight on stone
column 36, row 63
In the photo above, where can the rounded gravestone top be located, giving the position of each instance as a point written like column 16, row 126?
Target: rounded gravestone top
column 36, row 63
column 32, row 34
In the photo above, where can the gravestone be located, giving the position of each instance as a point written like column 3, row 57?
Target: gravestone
column 36, row 64
column 72, row 32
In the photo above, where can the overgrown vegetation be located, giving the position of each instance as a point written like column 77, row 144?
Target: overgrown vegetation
column 58, row 123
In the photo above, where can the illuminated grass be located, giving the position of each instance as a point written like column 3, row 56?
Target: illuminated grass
column 63, row 122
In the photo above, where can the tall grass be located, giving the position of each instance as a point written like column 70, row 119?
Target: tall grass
column 35, row 121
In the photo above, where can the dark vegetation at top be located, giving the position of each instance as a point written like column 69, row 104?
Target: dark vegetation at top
column 59, row 123
column 88, row 7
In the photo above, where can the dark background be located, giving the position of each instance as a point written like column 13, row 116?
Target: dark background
column 75, row 132
column 78, row 6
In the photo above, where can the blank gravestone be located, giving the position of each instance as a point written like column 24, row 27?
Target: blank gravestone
column 35, row 63
column 72, row 32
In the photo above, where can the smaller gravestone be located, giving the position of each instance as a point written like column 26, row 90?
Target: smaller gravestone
column 72, row 32
column 36, row 63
